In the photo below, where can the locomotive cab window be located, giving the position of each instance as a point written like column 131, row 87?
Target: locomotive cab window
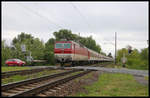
column 59, row 45
column 67, row 45
column 63, row 45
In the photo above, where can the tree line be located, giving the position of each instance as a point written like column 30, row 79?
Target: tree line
column 45, row 51
column 40, row 50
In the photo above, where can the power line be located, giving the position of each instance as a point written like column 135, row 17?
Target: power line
column 55, row 17
column 40, row 15
column 81, row 14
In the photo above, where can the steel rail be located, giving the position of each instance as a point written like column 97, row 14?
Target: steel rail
column 47, row 86
column 9, row 86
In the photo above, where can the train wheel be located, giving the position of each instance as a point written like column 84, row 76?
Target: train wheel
column 73, row 64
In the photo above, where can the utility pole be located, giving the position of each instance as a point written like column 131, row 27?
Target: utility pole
column 115, row 46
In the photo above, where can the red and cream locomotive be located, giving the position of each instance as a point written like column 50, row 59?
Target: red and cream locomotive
column 76, row 54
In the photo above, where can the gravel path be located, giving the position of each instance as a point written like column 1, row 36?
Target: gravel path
column 141, row 80
column 117, row 70
column 111, row 70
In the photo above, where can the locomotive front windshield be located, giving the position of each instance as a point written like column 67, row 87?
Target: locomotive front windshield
column 63, row 45
column 67, row 45
column 59, row 45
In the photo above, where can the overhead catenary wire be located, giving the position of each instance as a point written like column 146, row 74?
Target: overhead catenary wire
column 40, row 15
column 84, row 18
column 55, row 18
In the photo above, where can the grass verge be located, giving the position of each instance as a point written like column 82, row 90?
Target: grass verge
column 115, row 84
column 16, row 78
column 13, row 68
column 146, row 77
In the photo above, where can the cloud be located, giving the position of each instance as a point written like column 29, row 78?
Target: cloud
column 99, row 19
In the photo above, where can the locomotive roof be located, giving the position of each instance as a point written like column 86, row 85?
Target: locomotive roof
column 63, row 41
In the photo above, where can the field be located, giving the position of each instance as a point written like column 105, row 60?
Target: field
column 115, row 85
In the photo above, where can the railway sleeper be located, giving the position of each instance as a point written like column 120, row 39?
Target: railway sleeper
column 5, row 93
column 13, row 91
column 32, row 85
column 48, row 93
column 65, row 90
column 19, row 89
column 26, row 87
column 53, row 92
column 42, row 95
column 59, row 90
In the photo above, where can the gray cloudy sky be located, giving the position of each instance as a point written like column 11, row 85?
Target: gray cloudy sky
column 99, row 19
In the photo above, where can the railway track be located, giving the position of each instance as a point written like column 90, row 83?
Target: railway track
column 24, row 72
column 34, row 86
column 59, row 87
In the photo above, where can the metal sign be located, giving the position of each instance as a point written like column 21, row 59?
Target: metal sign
column 23, row 48
column 124, row 60
column 29, row 58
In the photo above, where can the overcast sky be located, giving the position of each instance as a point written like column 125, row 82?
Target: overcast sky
column 99, row 19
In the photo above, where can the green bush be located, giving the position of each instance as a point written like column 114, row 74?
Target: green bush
column 135, row 60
